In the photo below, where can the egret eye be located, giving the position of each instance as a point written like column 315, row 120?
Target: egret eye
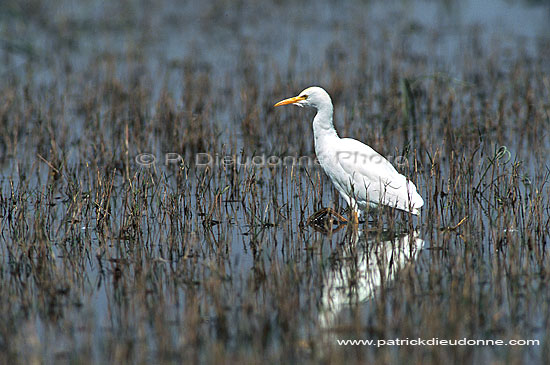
column 304, row 96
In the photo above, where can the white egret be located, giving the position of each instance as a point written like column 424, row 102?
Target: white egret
column 360, row 174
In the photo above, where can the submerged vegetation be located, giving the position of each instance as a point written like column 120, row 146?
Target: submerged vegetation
column 109, row 252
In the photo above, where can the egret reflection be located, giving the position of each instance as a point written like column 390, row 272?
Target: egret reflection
column 362, row 268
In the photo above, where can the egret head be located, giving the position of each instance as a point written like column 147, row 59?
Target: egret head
column 313, row 96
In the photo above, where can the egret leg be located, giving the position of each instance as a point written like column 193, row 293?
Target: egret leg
column 354, row 218
column 353, row 222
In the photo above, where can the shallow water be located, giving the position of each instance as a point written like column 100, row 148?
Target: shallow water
column 174, row 262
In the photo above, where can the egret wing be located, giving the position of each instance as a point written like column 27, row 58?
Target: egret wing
column 374, row 179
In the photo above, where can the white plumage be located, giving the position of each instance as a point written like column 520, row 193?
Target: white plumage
column 361, row 175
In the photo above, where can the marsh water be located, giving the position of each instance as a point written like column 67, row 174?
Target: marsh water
column 144, row 219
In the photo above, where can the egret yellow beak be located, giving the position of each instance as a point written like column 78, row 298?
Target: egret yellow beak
column 290, row 100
